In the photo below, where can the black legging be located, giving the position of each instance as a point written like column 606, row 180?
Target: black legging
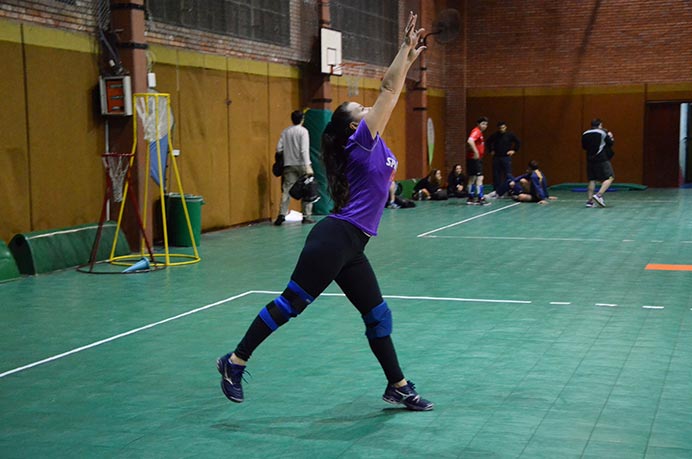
column 334, row 251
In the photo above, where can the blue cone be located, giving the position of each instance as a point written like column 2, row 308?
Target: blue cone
column 139, row 266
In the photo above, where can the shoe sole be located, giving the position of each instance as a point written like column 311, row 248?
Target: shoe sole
column 408, row 407
column 600, row 203
column 219, row 367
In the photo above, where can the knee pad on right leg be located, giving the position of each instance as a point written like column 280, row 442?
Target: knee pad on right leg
column 378, row 322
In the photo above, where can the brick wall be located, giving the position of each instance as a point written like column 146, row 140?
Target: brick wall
column 455, row 81
column 579, row 42
column 304, row 30
column 79, row 17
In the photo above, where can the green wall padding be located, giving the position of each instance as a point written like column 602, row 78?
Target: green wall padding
column 46, row 251
column 8, row 267
column 614, row 186
column 315, row 121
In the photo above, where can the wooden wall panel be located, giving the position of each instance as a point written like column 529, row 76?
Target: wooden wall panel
column 249, row 142
column 624, row 115
column 66, row 138
column 395, row 133
column 204, row 158
column 284, row 98
column 14, row 154
column 552, row 135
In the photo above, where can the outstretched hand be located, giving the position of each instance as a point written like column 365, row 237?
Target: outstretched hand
column 412, row 38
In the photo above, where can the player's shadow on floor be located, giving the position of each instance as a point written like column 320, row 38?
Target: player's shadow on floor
column 344, row 422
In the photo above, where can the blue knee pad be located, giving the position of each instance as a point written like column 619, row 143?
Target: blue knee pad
column 292, row 302
column 378, row 322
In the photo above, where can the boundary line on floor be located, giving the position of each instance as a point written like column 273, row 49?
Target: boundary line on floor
column 468, row 220
column 267, row 292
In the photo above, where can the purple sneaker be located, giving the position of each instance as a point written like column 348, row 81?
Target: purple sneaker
column 231, row 378
column 406, row 396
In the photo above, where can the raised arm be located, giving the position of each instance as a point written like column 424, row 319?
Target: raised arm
column 393, row 81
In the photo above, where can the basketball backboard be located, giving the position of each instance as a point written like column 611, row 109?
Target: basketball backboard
column 330, row 44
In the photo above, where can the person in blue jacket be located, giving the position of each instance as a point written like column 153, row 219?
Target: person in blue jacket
column 534, row 186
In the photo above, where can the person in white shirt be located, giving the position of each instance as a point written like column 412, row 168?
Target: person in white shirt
column 294, row 144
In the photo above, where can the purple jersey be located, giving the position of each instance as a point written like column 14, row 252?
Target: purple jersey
column 370, row 169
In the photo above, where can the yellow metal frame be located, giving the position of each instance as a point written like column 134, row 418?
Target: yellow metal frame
column 187, row 259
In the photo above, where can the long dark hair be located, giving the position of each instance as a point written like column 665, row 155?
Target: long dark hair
column 334, row 140
column 432, row 177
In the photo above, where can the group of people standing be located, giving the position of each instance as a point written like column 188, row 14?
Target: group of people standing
column 532, row 186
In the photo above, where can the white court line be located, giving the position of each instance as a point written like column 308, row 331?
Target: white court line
column 211, row 305
column 121, row 335
column 652, row 307
column 468, row 219
column 560, row 302
column 429, row 298
column 520, row 238
column 606, row 305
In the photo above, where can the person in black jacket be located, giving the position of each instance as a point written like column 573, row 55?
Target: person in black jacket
column 456, row 182
column 598, row 143
column 430, row 187
column 502, row 144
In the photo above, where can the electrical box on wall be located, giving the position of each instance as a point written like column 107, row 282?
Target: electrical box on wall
column 116, row 95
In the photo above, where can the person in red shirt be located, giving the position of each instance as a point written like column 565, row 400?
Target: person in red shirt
column 474, row 162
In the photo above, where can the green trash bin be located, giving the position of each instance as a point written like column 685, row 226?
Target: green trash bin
column 178, row 232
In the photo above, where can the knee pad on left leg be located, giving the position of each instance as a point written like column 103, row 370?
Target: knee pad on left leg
column 292, row 302
column 378, row 322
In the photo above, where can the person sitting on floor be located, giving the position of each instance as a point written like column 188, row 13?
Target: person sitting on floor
column 534, row 186
column 456, row 183
column 430, row 187
column 397, row 202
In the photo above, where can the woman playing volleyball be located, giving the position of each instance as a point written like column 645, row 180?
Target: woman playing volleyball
column 359, row 169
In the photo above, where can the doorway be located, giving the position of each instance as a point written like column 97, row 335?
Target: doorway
column 685, row 143
column 661, row 145
column 667, row 150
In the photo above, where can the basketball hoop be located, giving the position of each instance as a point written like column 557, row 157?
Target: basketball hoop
column 117, row 165
column 154, row 111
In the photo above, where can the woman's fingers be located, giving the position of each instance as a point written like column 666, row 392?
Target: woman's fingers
column 411, row 22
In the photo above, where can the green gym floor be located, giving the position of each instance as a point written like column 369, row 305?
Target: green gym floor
column 538, row 332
